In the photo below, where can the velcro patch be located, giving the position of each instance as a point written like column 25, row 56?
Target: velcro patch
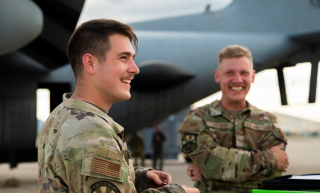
column 188, row 126
column 219, row 125
column 240, row 140
column 105, row 167
column 257, row 127
column 106, row 152
column 104, row 187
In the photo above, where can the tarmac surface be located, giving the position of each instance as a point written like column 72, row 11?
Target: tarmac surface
column 304, row 158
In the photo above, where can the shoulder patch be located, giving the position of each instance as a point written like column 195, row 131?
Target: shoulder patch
column 189, row 142
column 200, row 111
column 190, row 126
column 104, row 187
column 107, row 152
column 106, row 167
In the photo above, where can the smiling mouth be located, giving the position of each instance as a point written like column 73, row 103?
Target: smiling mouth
column 126, row 81
column 237, row 88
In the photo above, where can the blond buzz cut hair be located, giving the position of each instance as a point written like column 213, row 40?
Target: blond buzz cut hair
column 234, row 51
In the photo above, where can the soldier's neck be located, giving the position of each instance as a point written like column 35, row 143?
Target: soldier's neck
column 233, row 105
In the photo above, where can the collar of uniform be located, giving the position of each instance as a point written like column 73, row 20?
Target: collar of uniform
column 217, row 109
column 85, row 106
column 252, row 109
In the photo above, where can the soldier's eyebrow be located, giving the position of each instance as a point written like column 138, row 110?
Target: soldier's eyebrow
column 127, row 53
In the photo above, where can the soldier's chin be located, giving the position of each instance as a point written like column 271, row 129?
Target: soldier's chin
column 238, row 100
column 127, row 96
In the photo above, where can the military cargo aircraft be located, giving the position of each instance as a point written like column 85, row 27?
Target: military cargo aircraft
column 33, row 38
column 177, row 58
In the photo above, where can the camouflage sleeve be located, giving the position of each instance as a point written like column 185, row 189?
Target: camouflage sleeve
column 220, row 163
column 92, row 159
column 170, row 188
column 142, row 184
column 275, row 137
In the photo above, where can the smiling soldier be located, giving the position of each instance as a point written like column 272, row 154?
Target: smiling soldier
column 80, row 146
column 233, row 145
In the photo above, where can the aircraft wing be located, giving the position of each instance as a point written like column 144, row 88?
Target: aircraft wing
column 310, row 38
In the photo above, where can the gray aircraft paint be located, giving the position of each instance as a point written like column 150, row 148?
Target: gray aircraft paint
column 17, row 30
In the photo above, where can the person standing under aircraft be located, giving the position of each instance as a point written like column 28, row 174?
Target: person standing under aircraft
column 158, row 138
column 80, row 146
column 233, row 145
column 136, row 144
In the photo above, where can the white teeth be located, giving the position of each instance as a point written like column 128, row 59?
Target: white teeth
column 237, row 88
column 126, row 81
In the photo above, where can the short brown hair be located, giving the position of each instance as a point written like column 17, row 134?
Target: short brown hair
column 234, row 51
column 93, row 37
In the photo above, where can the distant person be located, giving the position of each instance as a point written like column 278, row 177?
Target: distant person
column 81, row 149
column 233, row 145
column 157, row 145
column 137, row 148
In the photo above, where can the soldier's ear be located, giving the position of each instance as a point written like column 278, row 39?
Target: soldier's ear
column 217, row 76
column 253, row 76
column 88, row 63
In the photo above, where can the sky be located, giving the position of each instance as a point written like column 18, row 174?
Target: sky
column 264, row 91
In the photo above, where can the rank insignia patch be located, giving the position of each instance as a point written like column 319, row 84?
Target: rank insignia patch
column 104, row 187
column 189, row 143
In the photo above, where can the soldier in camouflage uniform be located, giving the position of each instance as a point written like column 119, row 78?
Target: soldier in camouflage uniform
column 81, row 148
column 233, row 145
column 137, row 148
column 158, row 138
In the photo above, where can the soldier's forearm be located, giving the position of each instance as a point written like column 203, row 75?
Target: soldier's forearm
column 141, row 181
column 170, row 188
column 234, row 165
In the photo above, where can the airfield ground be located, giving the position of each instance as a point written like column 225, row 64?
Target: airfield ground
column 304, row 158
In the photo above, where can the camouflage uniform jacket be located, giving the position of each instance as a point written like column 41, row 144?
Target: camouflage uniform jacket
column 81, row 150
column 232, row 154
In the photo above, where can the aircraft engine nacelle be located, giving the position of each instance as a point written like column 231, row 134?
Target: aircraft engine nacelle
column 19, row 24
column 158, row 75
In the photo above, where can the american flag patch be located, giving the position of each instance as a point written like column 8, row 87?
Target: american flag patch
column 105, row 167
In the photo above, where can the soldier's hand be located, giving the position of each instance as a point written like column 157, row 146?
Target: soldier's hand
column 190, row 190
column 281, row 157
column 156, row 178
column 193, row 172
